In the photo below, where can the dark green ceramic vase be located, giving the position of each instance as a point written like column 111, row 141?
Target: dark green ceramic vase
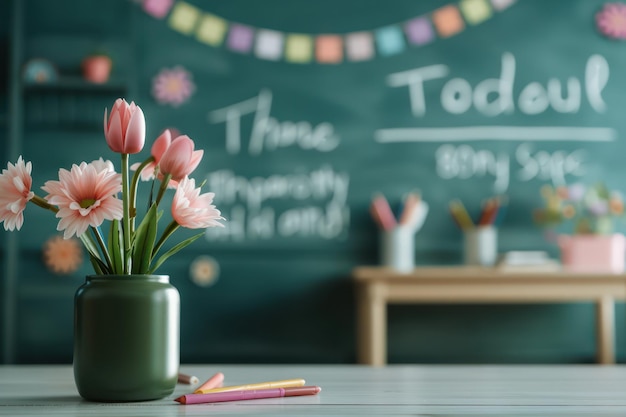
column 126, row 337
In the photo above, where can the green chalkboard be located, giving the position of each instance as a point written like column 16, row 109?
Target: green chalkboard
column 294, row 151
column 530, row 95
column 460, row 100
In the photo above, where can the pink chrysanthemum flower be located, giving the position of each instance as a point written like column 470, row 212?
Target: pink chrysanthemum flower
column 193, row 210
column 611, row 20
column 15, row 184
column 85, row 196
column 102, row 165
column 172, row 86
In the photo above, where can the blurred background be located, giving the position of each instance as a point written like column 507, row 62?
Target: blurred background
column 305, row 110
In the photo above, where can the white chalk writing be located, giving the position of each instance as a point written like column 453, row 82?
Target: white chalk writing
column 465, row 162
column 321, row 209
column 269, row 134
column 494, row 96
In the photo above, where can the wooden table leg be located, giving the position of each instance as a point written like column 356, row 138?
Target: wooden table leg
column 372, row 325
column 605, row 317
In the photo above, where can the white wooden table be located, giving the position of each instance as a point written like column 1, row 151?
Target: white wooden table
column 379, row 286
column 349, row 390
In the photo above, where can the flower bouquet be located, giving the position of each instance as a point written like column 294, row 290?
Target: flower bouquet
column 588, row 210
column 126, row 318
column 591, row 245
column 89, row 193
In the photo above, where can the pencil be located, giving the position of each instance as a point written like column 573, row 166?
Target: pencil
column 247, row 395
column 411, row 203
column 490, row 208
column 287, row 383
column 187, row 379
column 214, row 382
column 461, row 215
column 383, row 210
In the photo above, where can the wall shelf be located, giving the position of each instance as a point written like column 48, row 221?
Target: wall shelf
column 77, row 84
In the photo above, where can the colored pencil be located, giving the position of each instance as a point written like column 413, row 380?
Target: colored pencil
column 489, row 211
column 287, row 383
column 187, row 379
column 383, row 212
column 411, row 204
column 460, row 215
column 214, row 382
column 247, row 395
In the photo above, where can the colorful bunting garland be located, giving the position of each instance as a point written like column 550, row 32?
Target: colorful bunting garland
column 305, row 48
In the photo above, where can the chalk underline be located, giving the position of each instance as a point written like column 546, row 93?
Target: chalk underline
column 501, row 133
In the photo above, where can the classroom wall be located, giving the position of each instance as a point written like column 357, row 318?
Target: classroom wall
column 295, row 147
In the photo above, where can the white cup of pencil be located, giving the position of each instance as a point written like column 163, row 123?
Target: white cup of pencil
column 480, row 237
column 397, row 242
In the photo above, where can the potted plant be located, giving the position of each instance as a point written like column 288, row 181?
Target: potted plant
column 126, row 317
column 96, row 67
column 584, row 217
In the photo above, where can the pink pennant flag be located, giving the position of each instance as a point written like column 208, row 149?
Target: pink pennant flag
column 329, row 49
column 157, row 8
column 359, row 46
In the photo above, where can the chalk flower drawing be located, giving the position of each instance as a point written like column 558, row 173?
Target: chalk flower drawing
column 204, row 270
column 611, row 20
column 173, row 86
column 90, row 193
column 62, row 256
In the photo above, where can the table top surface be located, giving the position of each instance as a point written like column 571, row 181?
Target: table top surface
column 349, row 390
column 474, row 273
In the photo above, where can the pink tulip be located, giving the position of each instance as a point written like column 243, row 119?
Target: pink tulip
column 180, row 159
column 125, row 130
column 159, row 147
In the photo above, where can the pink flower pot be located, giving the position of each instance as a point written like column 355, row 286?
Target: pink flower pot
column 593, row 253
column 97, row 68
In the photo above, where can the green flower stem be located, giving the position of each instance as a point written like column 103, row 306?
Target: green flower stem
column 133, row 191
column 103, row 248
column 126, row 219
column 38, row 201
column 171, row 228
column 163, row 187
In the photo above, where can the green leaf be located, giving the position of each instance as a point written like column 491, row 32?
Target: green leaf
column 144, row 242
column 115, row 247
column 96, row 265
column 92, row 248
column 174, row 250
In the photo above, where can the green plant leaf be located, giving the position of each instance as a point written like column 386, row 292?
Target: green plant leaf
column 174, row 250
column 115, row 247
column 92, row 248
column 96, row 264
column 144, row 242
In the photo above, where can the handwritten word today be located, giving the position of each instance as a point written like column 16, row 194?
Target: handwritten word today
column 494, row 96
column 464, row 162
column 267, row 132
column 320, row 208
